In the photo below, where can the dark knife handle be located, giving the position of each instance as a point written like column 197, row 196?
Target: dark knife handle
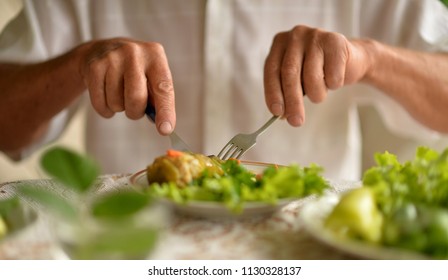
column 150, row 112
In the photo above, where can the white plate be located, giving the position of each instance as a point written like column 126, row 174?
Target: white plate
column 216, row 210
column 313, row 216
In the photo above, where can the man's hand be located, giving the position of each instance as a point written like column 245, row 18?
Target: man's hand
column 123, row 75
column 309, row 61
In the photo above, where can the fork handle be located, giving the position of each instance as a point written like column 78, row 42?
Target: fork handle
column 266, row 125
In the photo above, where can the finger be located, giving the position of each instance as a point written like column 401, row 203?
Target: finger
column 135, row 90
column 313, row 75
column 95, row 80
column 335, row 60
column 291, row 71
column 272, row 79
column 114, row 84
column 160, row 84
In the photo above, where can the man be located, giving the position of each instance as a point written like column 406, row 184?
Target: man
column 212, row 54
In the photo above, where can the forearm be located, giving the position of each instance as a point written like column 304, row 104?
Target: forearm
column 417, row 80
column 30, row 95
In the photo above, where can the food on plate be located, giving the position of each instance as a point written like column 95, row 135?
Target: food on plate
column 183, row 177
column 401, row 205
column 357, row 216
column 181, row 168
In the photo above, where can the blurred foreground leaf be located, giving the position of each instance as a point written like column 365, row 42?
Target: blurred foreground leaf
column 70, row 168
column 119, row 204
column 48, row 199
column 7, row 205
column 131, row 243
column 121, row 236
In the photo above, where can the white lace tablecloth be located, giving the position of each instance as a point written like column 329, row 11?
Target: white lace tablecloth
column 280, row 236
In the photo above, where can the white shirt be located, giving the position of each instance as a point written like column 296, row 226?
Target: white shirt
column 216, row 51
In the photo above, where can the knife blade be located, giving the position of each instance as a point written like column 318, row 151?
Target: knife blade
column 176, row 142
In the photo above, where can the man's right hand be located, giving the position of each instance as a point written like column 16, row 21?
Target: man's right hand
column 123, row 75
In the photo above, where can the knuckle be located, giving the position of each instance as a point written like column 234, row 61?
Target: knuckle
column 279, row 38
column 334, row 81
column 298, row 30
column 317, row 96
column 292, row 105
column 289, row 69
column 155, row 48
column 312, row 84
column 271, row 67
column 115, row 102
column 135, row 101
column 133, row 114
column 292, row 109
column 116, row 107
column 131, row 51
column 164, row 109
column 313, row 77
column 92, row 67
column 102, row 110
column 164, row 87
column 335, row 41
column 94, row 99
column 98, row 106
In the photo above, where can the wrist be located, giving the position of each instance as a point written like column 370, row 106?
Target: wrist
column 372, row 54
column 80, row 58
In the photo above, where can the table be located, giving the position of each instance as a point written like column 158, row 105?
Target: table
column 280, row 236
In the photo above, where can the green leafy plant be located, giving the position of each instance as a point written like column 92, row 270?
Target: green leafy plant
column 6, row 206
column 92, row 224
column 14, row 216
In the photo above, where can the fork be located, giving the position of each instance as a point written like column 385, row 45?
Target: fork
column 241, row 143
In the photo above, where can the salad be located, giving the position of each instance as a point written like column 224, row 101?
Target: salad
column 401, row 205
column 183, row 177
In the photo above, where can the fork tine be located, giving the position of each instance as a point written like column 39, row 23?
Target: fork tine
column 239, row 154
column 227, row 147
column 241, row 143
column 230, row 152
column 236, row 151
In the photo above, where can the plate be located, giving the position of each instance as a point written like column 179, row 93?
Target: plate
column 216, row 210
column 18, row 219
column 313, row 216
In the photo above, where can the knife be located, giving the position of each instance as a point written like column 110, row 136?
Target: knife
column 176, row 142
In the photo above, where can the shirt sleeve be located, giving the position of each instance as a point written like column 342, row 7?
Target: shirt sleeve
column 434, row 25
column 20, row 43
